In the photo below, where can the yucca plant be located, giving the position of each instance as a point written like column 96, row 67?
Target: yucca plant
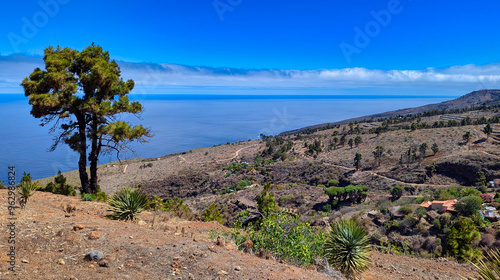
column 25, row 190
column 489, row 269
column 347, row 247
column 127, row 203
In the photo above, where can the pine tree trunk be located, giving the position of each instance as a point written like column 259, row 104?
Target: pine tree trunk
column 82, row 150
column 94, row 154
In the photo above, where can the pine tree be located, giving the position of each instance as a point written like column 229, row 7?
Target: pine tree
column 488, row 130
column 82, row 93
column 357, row 160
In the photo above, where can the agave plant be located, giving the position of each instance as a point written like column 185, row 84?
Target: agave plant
column 25, row 190
column 347, row 247
column 127, row 203
column 489, row 269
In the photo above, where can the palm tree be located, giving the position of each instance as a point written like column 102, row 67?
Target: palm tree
column 347, row 247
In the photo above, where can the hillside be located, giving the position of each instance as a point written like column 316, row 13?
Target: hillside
column 51, row 245
column 473, row 99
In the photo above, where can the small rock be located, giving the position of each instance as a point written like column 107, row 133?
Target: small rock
column 131, row 237
column 94, row 235
column 237, row 268
column 91, row 266
column 176, row 258
column 25, row 261
column 61, row 262
column 222, row 272
column 78, row 227
column 67, row 215
column 94, row 255
column 103, row 263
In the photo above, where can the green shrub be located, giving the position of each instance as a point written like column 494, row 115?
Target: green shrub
column 321, row 186
column 88, row 196
column 469, row 192
column 101, row 196
column 127, row 203
column 406, row 209
column 469, row 205
column 155, row 203
column 286, row 198
column 26, row 189
column 333, row 183
column 347, row 247
column 396, row 192
column 266, row 204
column 177, row 206
column 421, row 199
column 59, row 186
column 212, row 214
column 461, row 238
column 327, row 208
column 288, row 239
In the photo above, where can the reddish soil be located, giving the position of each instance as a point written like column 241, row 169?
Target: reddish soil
column 48, row 247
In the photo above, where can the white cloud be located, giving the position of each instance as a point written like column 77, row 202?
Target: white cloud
column 157, row 76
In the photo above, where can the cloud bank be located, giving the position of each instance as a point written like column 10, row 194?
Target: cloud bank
column 151, row 76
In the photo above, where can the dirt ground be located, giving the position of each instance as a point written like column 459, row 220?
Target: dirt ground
column 51, row 244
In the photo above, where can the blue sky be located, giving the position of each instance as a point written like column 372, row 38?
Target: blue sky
column 398, row 46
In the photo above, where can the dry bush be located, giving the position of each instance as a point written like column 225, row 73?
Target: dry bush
column 487, row 240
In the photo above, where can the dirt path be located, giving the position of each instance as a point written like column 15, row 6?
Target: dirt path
column 236, row 154
column 373, row 173
column 406, row 183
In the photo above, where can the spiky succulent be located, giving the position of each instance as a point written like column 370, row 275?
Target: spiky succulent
column 127, row 203
column 347, row 247
column 489, row 269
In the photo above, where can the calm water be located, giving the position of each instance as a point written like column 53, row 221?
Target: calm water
column 182, row 123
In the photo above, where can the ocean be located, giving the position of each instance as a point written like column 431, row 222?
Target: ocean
column 185, row 122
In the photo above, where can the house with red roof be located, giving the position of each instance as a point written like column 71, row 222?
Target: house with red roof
column 440, row 205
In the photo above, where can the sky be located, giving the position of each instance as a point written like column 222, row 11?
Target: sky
column 332, row 47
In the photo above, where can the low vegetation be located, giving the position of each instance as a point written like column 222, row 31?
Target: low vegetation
column 126, row 203
column 347, row 247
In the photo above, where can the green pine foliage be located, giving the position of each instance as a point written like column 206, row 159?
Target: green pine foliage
column 26, row 189
column 86, row 122
column 212, row 214
column 396, row 192
column 347, row 247
column 177, row 206
column 59, row 186
column 351, row 193
column 266, row 203
column 460, row 240
column 126, row 203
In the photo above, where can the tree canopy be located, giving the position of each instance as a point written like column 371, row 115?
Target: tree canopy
column 82, row 94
